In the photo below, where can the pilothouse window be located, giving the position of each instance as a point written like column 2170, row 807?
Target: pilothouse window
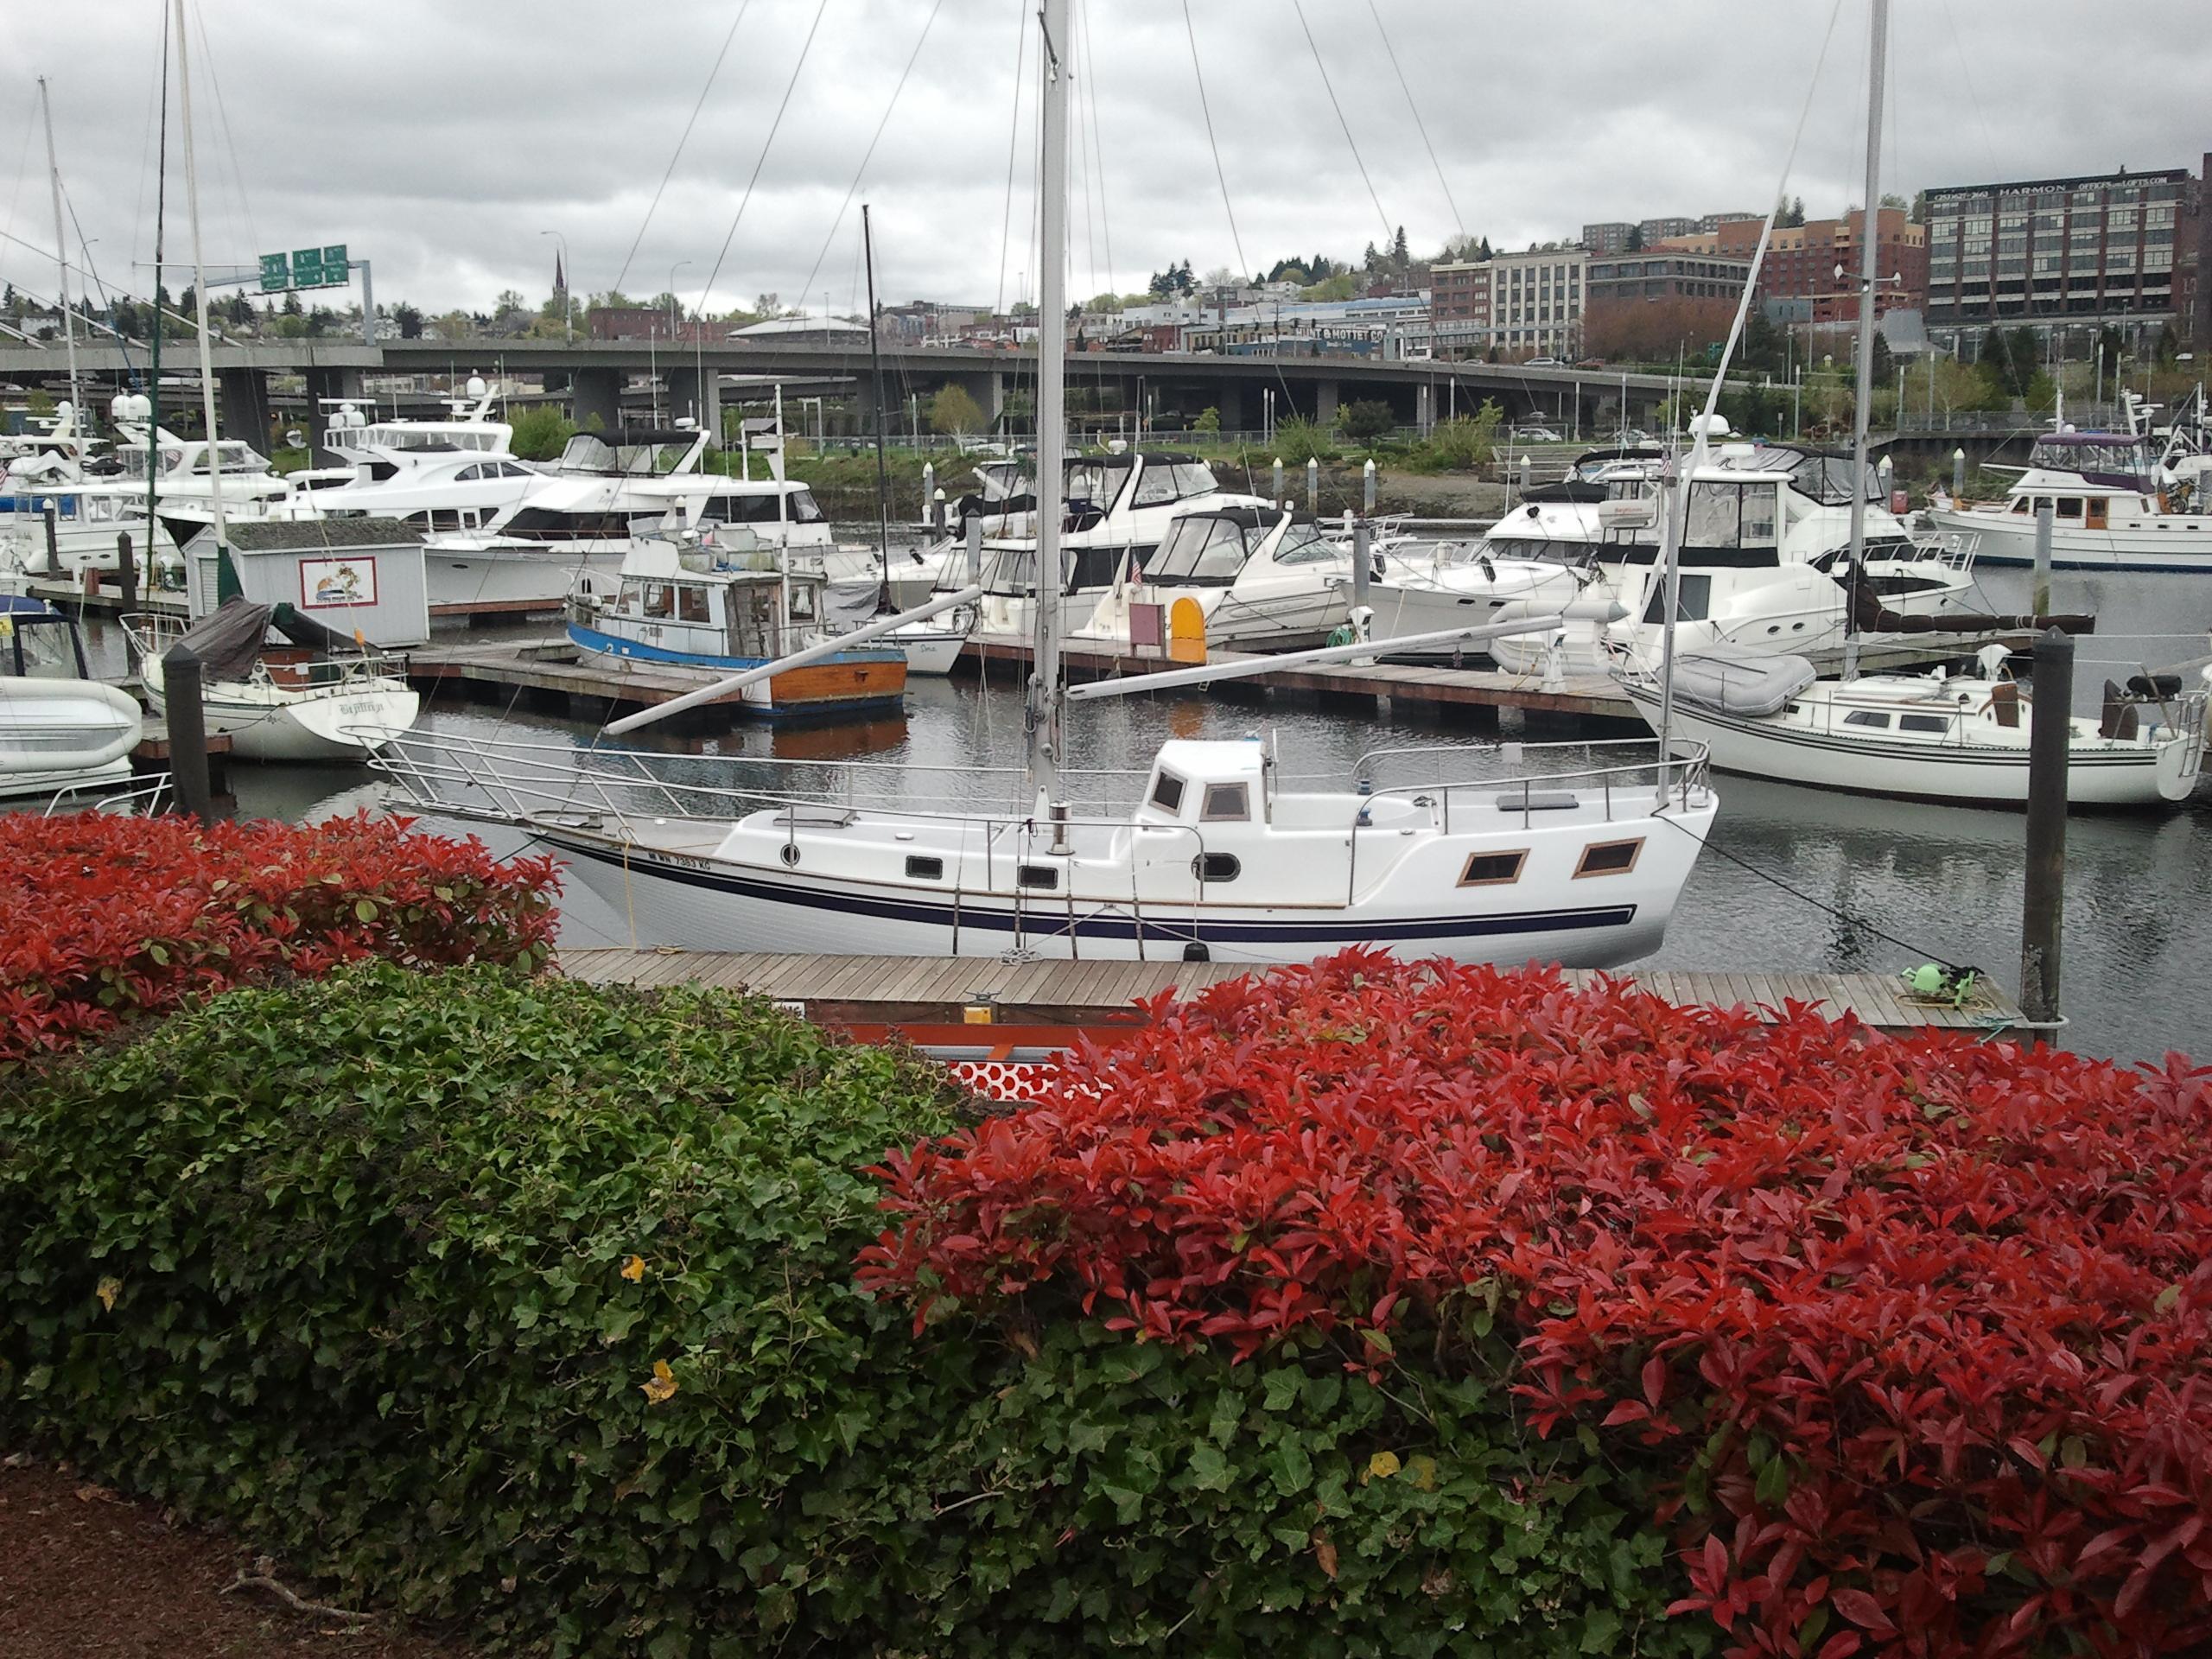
column 1226, row 803
column 1199, row 551
column 1168, row 792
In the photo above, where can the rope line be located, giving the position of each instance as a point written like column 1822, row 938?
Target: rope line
column 1312, row 45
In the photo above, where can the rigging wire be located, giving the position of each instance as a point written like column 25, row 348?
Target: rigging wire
column 1314, row 48
column 23, row 164
column 1206, row 110
column 223, row 114
column 1013, row 149
column 860, row 172
column 669, row 171
column 1097, row 142
column 1419, row 125
column 1079, row 63
column 761, row 160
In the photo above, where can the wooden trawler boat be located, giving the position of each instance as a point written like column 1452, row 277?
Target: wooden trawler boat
column 719, row 604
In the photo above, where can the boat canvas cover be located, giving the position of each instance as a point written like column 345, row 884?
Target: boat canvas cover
column 1738, row 682
column 229, row 641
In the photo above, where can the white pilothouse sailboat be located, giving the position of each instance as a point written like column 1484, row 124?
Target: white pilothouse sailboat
column 1223, row 853
column 1963, row 739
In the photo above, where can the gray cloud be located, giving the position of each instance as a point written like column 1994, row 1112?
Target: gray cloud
column 440, row 139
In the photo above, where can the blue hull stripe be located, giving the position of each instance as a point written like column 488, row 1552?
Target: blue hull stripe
column 1046, row 920
column 612, row 645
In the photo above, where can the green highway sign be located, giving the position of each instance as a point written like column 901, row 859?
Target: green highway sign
column 324, row 267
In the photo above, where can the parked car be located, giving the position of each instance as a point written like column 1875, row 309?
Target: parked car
column 1536, row 435
column 1543, row 363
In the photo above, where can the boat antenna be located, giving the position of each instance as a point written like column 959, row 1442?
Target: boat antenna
column 1672, row 531
column 199, row 288
column 1045, row 703
column 1862, row 404
column 875, row 378
column 61, row 258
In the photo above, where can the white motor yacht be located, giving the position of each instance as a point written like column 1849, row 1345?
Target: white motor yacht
column 2116, row 504
column 1256, row 579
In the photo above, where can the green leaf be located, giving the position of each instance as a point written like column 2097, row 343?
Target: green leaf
column 1209, row 1467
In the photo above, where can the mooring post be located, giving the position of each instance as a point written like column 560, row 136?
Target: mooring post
column 53, row 539
column 936, row 511
column 187, row 724
column 2043, row 911
column 1367, row 489
column 127, row 568
column 1959, row 475
column 2045, row 523
column 1312, row 484
column 929, row 492
column 974, row 531
column 1280, row 497
column 1363, row 538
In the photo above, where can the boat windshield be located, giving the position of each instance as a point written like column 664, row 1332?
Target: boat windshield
column 38, row 647
column 1177, row 480
column 588, row 452
column 1731, row 515
column 1199, row 551
column 758, row 507
column 1823, row 478
column 2101, row 458
column 1095, row 481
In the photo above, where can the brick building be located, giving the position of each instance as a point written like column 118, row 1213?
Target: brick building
column 1611, row 237
column 2103, row 249
column 1645, row 304
column 1459, row 308
column 1803, row 262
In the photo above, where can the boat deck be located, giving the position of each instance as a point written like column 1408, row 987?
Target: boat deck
column 1042, row 1004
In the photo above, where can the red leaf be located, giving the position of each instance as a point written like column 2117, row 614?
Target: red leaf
column 1654, row 1380
column 1862, row 1609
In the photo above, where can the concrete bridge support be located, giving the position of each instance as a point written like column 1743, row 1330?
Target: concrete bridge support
column 596, row 394
column 242, row 397
column 326, row 387
column 1227, row 400
column 697, row 397
column 1324, row 404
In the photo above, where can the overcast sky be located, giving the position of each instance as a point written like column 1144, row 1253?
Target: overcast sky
column 440, row 137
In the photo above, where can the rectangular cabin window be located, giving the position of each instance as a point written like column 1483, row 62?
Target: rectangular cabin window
column 690, row 603
column 1609, row 858
column 1168, row 792
column 924, row 869
column 1040, row 878
column 2070, row 506
column 1494, row 870
column 1867, row 717
column 660, row 599
column 1934, row 724
column 1226, row 803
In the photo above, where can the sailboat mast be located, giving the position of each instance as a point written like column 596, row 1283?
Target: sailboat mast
column 1042, row 725
column 61, row 261
column 1877, row 52
column 876, row 375
column 199, row 284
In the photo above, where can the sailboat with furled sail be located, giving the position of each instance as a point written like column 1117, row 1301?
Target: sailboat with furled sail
column 1571, row 853
column 1962, row 738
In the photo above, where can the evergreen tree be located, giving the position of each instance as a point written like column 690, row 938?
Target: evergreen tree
column 1401, row 255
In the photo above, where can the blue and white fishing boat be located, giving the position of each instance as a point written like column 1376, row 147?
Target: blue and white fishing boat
column 723, row 602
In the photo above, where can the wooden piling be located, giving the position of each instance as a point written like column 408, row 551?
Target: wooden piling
column 2043, row 909
column 187, row 724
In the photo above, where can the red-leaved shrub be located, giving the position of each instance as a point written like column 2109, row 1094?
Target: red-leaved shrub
column 104, row 917
column 1915, row 1332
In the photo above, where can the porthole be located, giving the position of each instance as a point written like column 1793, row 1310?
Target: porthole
column 789, row 853
column 1217, row 866
column 1493, row 870
column 1609, row 858
column 1040, row 878
column 924, row 869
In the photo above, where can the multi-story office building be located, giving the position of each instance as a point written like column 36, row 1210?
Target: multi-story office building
column 1645, row 303
column 1611, row 237
column 1656, row 231
column 2090, row 252
column 1517, row 304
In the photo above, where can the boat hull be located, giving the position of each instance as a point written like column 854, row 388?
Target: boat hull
column 461, row 580
column 855, row 680
column 2009, row 539
column 286, row 727
column 716, row 903
column 1964, row 775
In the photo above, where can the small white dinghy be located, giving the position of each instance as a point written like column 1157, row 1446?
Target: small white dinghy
column 59, row 728
column 309, row 695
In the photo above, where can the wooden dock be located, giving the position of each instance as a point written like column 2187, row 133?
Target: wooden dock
column 552, row 667
column 981, row 1001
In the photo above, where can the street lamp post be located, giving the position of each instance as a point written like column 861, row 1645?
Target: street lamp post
column 567, row 316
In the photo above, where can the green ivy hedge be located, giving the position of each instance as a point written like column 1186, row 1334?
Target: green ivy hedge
column 530, row 1305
